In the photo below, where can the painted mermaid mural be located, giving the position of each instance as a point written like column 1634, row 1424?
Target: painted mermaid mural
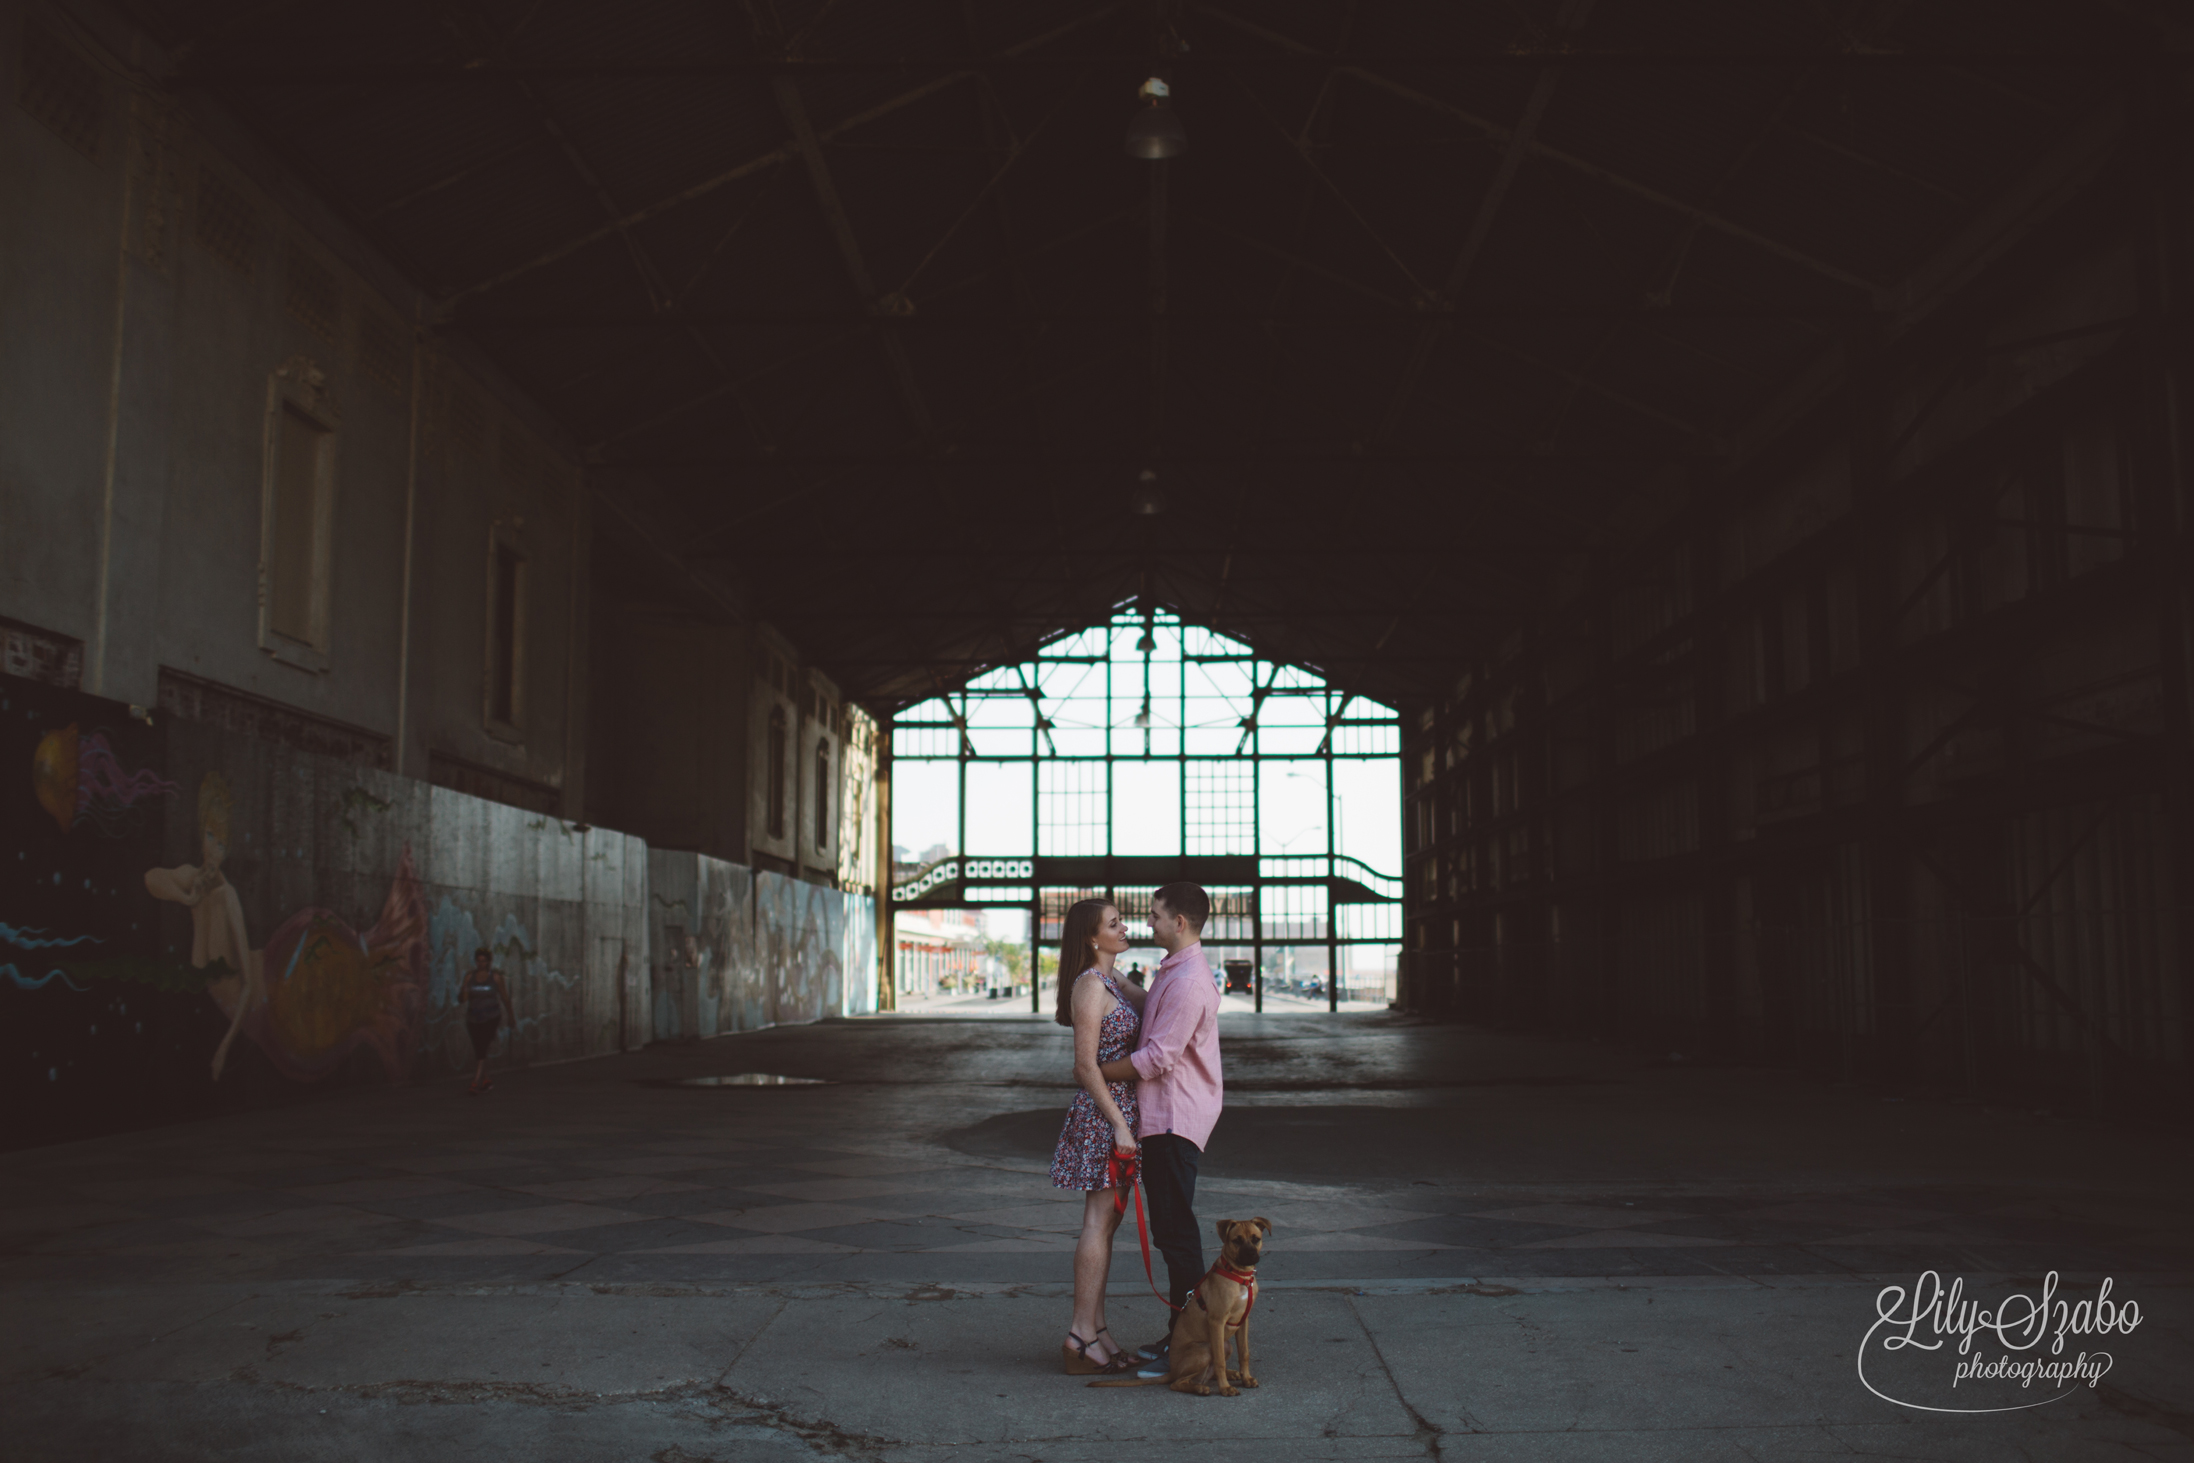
column 319, row 989
column 77, row 778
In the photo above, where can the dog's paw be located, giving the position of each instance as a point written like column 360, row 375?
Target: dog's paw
column 1230, row 1391
column 1202, row 1389
column 1245, row 1379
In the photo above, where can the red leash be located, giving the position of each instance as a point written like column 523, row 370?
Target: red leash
column 1123, row 1172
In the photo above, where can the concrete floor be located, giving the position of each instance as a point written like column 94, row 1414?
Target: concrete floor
column 1486, row 1247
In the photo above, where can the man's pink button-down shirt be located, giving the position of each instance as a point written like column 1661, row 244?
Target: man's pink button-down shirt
column 1178, row 1059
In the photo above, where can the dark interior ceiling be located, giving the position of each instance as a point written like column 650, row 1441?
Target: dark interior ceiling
column 860, row 308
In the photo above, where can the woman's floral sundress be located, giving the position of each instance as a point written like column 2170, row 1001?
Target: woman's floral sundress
column 1086, row 1140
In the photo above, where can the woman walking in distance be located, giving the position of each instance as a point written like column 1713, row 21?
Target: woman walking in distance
column 1105, row 1011
column 487, row 1007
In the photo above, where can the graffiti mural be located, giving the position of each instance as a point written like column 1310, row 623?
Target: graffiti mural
column 77, row 777
column 201, row 921
column 84, row 803
column 320, row 989
column 858, row 955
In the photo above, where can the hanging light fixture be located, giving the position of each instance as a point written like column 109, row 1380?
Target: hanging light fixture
column 1146, row 501
column 1155, row 132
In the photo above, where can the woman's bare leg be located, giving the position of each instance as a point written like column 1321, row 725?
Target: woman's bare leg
column 254, row 990
column 1092, row 1268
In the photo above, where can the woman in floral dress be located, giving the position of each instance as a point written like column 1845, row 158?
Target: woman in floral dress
column 1105, row 1010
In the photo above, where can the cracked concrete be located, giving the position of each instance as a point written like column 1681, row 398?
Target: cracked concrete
column 853, row 1272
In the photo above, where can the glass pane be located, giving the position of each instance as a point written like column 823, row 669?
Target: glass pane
column 1146, row 697
column 1291, row 724
column 1367, row 741
column 925, row 811
column 1368, row 976
column 1367, row 813
column 924, row 741
column 1072, row 808
column 1369, row 921
column 1233, row 920
column 1222, row 806
column 1294, row 911
column 1001, row 809
column 999, row 723
column 1146, row 808
column 1292, row 815
column 1218, row 699
column 1295, row 977
column 1077, row 729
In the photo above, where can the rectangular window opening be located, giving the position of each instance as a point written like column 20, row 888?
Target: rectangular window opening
column 506, row 629
column 293, row 567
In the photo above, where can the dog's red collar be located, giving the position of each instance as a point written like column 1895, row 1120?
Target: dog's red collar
column 1247, row 1279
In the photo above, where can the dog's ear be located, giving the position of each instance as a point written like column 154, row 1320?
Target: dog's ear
column 1263, row 1224
column 1225, row 1226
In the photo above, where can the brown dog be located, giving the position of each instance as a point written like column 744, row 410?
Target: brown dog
column 1219, row 1307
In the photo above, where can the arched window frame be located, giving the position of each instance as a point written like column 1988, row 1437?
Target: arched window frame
column 777, row 771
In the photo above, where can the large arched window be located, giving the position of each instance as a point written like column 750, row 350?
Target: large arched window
column 777, row 772
column 822, row 793
column 1146, row 749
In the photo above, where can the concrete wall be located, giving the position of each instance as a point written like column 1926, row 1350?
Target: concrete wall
column 357, row 898
column 738, row 950
column 164, row 287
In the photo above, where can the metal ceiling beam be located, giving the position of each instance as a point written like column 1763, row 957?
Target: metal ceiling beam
column 1000, row 320
column 964, row 455
column 1571, row 161
column 810, row 150
column 448, row 180
column 274, row 69
column 652, row 280
column 1019, row 149
column 749, row 516
column 671, row 413
column 1348, row 206
column 703, row 398
column 775, row 156
column 1569, row 21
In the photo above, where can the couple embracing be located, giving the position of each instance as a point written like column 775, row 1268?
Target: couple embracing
column 1147, row 1066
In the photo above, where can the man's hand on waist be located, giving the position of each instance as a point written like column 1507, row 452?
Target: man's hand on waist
column 1122, row 1070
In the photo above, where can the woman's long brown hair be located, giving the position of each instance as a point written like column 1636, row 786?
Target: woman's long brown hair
column 1076, row 932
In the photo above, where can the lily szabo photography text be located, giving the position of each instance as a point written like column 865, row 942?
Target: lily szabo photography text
column 2041, row 1339
column 1051, row 729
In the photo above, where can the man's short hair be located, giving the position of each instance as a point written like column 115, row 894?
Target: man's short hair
column 1186, row 901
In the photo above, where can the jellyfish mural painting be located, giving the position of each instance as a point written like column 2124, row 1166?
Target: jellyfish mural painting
column 319, row 989
column 77, row 779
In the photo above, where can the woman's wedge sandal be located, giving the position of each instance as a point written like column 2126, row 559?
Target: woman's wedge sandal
column 1074, row 1358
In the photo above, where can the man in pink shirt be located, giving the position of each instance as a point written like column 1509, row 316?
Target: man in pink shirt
column 1175, row 1068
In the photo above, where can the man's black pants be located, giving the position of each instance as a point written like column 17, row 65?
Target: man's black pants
column 1169, row 1185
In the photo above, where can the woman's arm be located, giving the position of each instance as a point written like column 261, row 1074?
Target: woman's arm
column 1135, row 994
column 177, row 885
column 1091, row 1003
